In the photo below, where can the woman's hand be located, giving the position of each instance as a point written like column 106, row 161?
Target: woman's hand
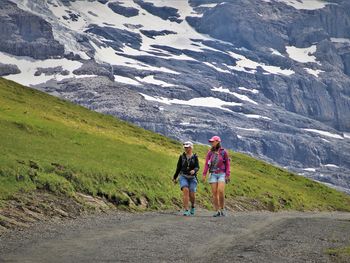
column 192, row 172
column 204, row 178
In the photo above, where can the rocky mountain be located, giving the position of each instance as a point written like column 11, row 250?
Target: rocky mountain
column 271, row 77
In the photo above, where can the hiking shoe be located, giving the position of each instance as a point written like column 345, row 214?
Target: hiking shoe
column 217, row 214
column 193, row 210
column 187, row 213
column 222, row 212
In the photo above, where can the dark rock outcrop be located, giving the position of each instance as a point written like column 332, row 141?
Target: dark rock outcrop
column 24, row 34
column 122, row 10
column 6, row 69
column 165, row 12
column 154, row 33
column 245, row 24
column 51, row 71
column 118, row 36
column 92, row 68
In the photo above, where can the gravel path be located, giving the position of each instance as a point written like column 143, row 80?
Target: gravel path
column 170, row 237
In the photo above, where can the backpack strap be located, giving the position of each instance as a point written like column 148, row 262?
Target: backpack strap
column 210, row 153
column 184, row 158
column 223, row 151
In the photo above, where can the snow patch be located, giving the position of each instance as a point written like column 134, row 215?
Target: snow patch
column 216, row 68
column 277, row 70
column 241, row 97
column 340, row 40
column 305, row 4
column 185, row 123
column 209, row 102
column 243, row 63
column 126, row 80
column 208, row 5
column 310, row 169
column 255, row 116
column 303, row 55
column 150, row 79
column 275, row 52
column 28, row 66
column 254, row 91
column 167, row 55
column 109, row 55
column 331, row 165
column 61, row 12
column 325, row 133
column 314, row 72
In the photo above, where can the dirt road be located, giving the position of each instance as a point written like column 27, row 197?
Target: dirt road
column 170, row 237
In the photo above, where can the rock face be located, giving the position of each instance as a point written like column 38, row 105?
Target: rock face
column 6, row 70
column 116, row 37
column 256, row 27
column 24, row 34
column 154, row 33
column 90, row 67
column 125, row 11
column 166, row 13
column 272, row 78
column 236, row 22
column 51, row 71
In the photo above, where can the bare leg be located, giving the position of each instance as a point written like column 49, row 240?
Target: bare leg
column 221, row 194
column 192, row 198
column 214, row 192
column 185, row 192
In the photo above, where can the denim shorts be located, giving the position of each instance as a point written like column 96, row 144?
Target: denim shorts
column 190, row 183
column 215, row 178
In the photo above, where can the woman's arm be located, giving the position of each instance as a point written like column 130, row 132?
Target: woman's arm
column 196, row 164
column 228, row 165
column 206, row 166
column 178, row 168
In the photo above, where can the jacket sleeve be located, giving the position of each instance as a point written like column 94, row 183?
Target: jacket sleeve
column 178, row 168
column 196, row 164
column 228, row 165
column 206, row 167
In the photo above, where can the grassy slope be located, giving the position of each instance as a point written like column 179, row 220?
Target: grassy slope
column 48, row 143
column 341, row 254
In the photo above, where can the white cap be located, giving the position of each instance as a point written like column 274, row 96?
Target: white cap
column 188, row 144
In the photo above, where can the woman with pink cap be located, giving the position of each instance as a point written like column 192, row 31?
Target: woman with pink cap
column 217, row 162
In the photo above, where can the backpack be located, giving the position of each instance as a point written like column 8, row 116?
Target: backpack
column 222, row 152
column 184, row 160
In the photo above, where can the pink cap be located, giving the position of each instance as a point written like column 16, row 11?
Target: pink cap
column 215, row 138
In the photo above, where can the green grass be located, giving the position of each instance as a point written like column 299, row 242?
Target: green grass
column 341, row 254
column 47, row 143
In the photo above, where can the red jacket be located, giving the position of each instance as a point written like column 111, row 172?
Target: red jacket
column 223, row 165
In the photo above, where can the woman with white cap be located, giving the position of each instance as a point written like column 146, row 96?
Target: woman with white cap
column 187, row 167
column 217, row 162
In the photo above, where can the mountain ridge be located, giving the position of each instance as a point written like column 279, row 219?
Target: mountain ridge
column 275, row 84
